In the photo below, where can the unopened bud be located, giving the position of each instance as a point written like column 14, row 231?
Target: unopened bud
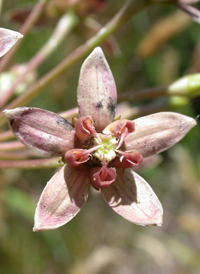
column 178, row 101
column 189, row 85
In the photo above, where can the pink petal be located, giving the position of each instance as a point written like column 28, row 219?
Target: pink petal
column 7, row 40
column 131, row 197
column 76, row 157
column 101, row 177
column 62, row 198
column 42, row 130
column 97, row 95
column 157, row 132
column 127, row 159
column 84, row 128
column 120, row 129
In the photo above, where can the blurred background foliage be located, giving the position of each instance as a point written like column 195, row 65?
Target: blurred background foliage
column 155, row 47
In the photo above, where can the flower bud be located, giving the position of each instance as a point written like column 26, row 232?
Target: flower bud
column 178, row 101
column 189, row 85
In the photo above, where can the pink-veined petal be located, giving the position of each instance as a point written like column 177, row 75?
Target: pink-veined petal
column 42, row 130
column 62, row 198
column 120, row 129
column 7, row 40
column 84, row 128
column 101, row 177
column 97, row 94
column 131, row 197
column 127, row 159
column 157, row 132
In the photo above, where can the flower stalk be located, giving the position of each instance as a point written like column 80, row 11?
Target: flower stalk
column 63, row 28
column 37, row 10
column 32, row 164
column 187, row 86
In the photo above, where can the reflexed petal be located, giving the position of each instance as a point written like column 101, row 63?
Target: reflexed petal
column 127, row 159
column 120, row 129
column 101, row 177
column 63, row 197
column 96, row 90
column 7, row 39
column 157, row 132
column 84, row 128
column 42, row 130
column 131, row 197
column 77, row 156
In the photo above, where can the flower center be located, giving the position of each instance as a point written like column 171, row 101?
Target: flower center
column 107, row 149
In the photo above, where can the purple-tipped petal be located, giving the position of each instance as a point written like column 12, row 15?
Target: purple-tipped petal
column 157, row 132
column 131, row 197
column 97, row 94
column 7, row 40
column 63, row 197
column 42, row 130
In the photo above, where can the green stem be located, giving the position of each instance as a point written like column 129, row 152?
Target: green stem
column 64, row 26
column 14, row 145
column 25, row 154
column 32, row 164
column 6, row 135
column 32, row 18
column 155, row 106
column 147, row 93
column 155, row 92
column 129, row 9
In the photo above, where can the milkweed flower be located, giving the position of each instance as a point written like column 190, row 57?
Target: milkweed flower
column 98, row 150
